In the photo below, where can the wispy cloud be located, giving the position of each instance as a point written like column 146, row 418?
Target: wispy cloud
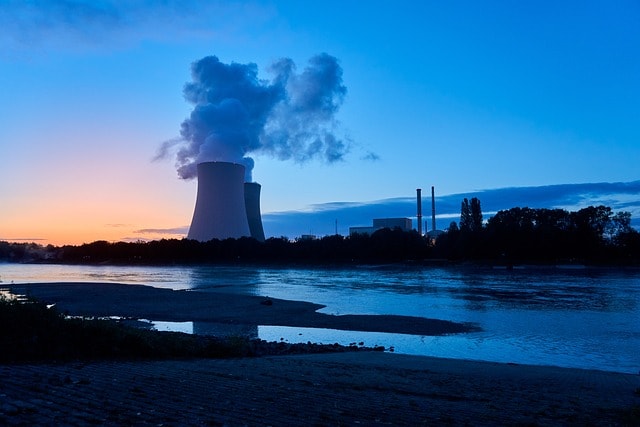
column 84, row 24
column 23, row 239
column 321, row 218
column 370, row 156
column 176, row 230
column 135, row 239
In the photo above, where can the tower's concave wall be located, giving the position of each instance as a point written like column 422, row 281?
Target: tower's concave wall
column 220, row 211
column 252, row 203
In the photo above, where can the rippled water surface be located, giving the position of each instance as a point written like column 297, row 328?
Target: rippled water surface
column 587, row 318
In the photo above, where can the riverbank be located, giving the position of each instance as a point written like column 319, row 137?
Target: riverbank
column 366, row 388
column 145, row 302
column 370, row 388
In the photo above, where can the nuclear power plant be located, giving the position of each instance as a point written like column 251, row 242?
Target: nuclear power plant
column 404, row 224
column 226, row 206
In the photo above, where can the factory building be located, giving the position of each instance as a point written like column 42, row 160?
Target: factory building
column 404, row 224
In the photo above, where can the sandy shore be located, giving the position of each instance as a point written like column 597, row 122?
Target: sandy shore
column 362, row 388
column 145, row 302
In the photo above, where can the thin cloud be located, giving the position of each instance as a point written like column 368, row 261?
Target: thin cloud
column 370, row 156
column 322, row 217
column 23, row 239
column 175, row 230
column 77, row 25
column 135, row 239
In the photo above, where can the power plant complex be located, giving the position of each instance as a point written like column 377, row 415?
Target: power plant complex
column 226, row 206
column 404, row 224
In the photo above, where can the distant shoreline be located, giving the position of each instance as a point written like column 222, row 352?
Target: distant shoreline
column 426, row 263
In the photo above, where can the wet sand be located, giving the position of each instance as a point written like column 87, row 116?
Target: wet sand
column 145, row 302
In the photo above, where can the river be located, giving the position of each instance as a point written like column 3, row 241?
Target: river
column 570, row 317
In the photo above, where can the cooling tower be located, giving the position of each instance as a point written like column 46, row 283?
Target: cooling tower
column 220, row 211
column 252, row 204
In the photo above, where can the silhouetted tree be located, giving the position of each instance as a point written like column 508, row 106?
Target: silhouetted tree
column 620, row 224
column 588, row 228
column 591, row 235
column 447, row 244
column 627, row 244
column 476, row 214
column 469, row 243
column 466, row 219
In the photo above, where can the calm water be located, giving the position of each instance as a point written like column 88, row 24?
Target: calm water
column 587, row 318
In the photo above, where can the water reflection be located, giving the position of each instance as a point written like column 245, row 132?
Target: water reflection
column 206, row 328
column 225, row 329
column 581, row 318
column 241, row 280
column 184, row 327
column 542, row 291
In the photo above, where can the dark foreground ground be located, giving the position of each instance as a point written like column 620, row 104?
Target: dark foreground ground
column 361, row 388
column 352, row 388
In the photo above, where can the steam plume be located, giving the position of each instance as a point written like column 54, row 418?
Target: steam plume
column 235, row 113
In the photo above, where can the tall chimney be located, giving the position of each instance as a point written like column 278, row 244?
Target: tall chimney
column 252, row 205
column 220, row 211
column 433, row 209
column 419, row 201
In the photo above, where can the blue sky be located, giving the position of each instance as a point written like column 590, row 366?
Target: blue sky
column 466, row 96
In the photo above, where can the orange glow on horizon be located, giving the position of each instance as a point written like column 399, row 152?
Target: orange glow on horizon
column 78, row 236
column 61, row 224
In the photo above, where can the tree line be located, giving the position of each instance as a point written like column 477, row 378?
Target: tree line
column 593, row 235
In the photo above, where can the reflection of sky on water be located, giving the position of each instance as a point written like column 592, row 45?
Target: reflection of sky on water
column 507, row 337
column 185, row 327
column 534, row 350
column 567, row 317
column 580, row 318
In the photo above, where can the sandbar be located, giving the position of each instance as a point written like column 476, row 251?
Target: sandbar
column 146, row 302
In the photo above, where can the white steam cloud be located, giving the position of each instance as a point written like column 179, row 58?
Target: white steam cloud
column 235, row 113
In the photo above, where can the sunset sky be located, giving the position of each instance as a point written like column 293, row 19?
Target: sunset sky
column 463, row 95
